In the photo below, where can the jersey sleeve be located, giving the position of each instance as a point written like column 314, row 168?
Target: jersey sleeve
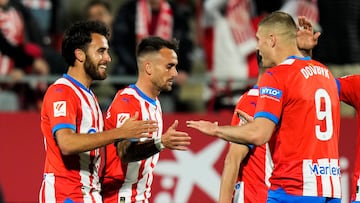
column 235, row 118
column 271, row 96
column 61, row 106
column 348, row 89
column 244, row 104
column 122, row 108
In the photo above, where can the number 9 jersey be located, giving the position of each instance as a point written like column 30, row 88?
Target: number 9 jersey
column 300, row 96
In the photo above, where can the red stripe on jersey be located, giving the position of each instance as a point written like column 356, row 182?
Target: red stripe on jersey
column 71, row 182
column 256, row 168
column 132, row 180
column 96, row 124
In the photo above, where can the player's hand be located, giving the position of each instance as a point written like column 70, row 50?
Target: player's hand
column 175, row 140
column 134, row 128
column 306, row 38
column 205, row 127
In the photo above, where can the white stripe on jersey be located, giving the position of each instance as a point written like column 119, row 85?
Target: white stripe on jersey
column 90, row 114
column 329, row 173
column 325, row 179
column 269, row 165
column 336, row 182
column 253, row 92
column 357, row 197
column 309, row 179
column 148, row 112
column 48, row 185
column 239, row 194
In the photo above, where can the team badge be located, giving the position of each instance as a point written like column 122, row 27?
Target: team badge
column 121, row 118
column 59, row 108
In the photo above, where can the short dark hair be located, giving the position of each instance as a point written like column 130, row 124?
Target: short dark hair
column 154, row 44
column 78, row 36
column 281, row 22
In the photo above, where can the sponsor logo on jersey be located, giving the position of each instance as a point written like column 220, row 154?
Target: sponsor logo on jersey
column 121, row 118
column 59, row 108
column 270, row 92
column 324, row 169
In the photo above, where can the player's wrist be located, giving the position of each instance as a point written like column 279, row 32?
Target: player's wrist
column 159, row 145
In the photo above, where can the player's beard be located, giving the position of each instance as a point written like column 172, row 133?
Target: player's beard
column 92, row 69
column 166, row 87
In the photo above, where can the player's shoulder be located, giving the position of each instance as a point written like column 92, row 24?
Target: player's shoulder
column 126, row 92
column 354, row 78
column 126, row 97
column 60, row 88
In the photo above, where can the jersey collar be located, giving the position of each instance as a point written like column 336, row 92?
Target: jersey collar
column 73, row 80
column 143, row 95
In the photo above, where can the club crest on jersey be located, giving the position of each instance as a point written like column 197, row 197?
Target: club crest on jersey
column 121, row 118
column 270, row 92
column 59, row 108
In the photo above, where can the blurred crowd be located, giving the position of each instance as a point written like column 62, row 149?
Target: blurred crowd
column 217, row 56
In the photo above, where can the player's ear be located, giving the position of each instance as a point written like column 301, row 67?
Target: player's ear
column 148, row 68
column 79, row 55
column 272, row 40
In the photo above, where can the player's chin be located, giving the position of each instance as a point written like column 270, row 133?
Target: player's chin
column 101, row 76
column 167, row 88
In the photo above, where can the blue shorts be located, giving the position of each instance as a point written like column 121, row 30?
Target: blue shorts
column 279, row 196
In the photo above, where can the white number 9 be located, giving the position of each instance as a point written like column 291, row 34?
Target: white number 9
column 323, row 115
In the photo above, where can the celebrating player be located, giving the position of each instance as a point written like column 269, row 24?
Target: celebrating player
column 249, row 173
column 72, row 122
column 298, row 109
column 130, row 164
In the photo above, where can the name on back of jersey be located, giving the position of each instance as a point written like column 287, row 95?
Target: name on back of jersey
column 311, row 70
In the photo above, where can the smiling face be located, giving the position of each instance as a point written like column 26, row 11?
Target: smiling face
column 97, row 57
column 163, row 66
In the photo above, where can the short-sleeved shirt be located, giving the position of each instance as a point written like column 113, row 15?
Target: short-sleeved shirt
column 69, row 104
column 350, row 94
column 130, row 181
column 255, row 169
column 300, row 96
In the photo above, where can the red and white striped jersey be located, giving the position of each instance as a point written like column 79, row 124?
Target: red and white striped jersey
column 12, row 26
column 255, row 170
column 130, row 181
column 69, row 104
column 300, row 96
column 350, row 94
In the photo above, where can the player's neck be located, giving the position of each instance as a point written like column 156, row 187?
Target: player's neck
column 80, row 75
column 147, row 89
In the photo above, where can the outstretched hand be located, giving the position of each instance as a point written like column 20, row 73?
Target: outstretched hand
column 134, row 128
column 205, row 127
column 306, row 38
column 175, row 140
